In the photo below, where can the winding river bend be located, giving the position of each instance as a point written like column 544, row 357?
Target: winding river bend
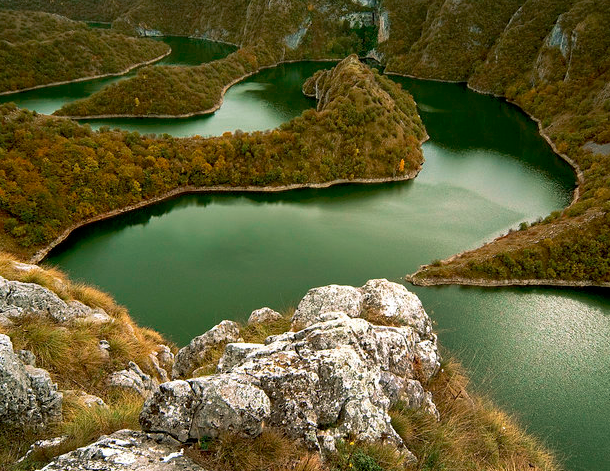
column 183, row 265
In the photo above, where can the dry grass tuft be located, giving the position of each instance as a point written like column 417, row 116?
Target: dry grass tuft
column 270, row 451
column 70, row 351
column 472, row 433
column 82, row 425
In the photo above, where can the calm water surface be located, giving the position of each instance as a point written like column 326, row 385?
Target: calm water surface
column 183, row 265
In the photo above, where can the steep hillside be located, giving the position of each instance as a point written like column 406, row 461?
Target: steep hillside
column 552, row 58
column 85, row 10
column 38, row 49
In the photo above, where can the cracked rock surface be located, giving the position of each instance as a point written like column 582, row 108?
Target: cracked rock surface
column 18, row 298
column 28, row 397
column 126, row 450
column 336, row 377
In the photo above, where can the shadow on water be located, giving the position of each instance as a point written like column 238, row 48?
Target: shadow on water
column 309, row 197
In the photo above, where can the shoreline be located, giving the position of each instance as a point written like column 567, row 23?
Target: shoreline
column 580, row 179
column 503, row 283
column 209, row 111
column 93, row 77
column 41, row 254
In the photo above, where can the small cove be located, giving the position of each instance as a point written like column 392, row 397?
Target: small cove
column 183, row 265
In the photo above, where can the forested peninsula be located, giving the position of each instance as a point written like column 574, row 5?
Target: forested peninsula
column 366, row 128
column 38, row 49
column 550, row 57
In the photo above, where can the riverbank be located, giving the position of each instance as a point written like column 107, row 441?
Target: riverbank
column 93, row 77
column 501, row 283
column 43, row 252
column 555, row 229
column 208, row 111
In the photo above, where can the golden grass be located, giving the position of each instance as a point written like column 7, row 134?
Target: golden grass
column 81, row 425
column 270, row 451
column 70, row 351
column 472, row 434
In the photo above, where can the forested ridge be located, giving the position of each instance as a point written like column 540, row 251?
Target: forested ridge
column 38, row 49
column 550, row 57
column 55, row 172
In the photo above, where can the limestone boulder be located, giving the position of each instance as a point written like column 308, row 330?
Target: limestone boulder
column 263, row 315
column 28, row 397
column 133, row 379
column 324, row 299
column 394, row 302
column 378, row 300
column 191, row 356
column 18, row 298
column 126, row 450
column 206, row 406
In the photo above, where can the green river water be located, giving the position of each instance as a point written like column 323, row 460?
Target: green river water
column 183, row 265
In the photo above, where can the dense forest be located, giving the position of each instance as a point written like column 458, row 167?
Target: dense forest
column 55, row 172
column 39, row 48
column 171, row 90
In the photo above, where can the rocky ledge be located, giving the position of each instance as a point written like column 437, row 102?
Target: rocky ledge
column 335, row 375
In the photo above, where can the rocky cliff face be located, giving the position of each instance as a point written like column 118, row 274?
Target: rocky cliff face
column 335, row 376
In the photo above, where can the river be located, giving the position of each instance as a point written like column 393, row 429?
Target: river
column 183, row 265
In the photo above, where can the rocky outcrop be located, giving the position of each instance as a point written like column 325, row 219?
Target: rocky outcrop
column 336, row 377
column 191, row 356
column 126, row 450
column 378, row 300
column 202, row 407
column 28, row 397
column 18, row 299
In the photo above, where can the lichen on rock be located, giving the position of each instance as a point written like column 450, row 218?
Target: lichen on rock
column 28, row 397
column 337, row 377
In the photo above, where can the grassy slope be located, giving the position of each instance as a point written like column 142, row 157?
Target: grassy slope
column 39, row 48
column 567, row 90
column 55, row 173
column 71, row 354
column 471, row 435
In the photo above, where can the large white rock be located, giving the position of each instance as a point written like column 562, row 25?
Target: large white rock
column 379, row 299
column 191, row 356
column 396, row 303
column 206, row 406
column 263, row 315
column 324, row 299
column 126, row 450
column 28, row 397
